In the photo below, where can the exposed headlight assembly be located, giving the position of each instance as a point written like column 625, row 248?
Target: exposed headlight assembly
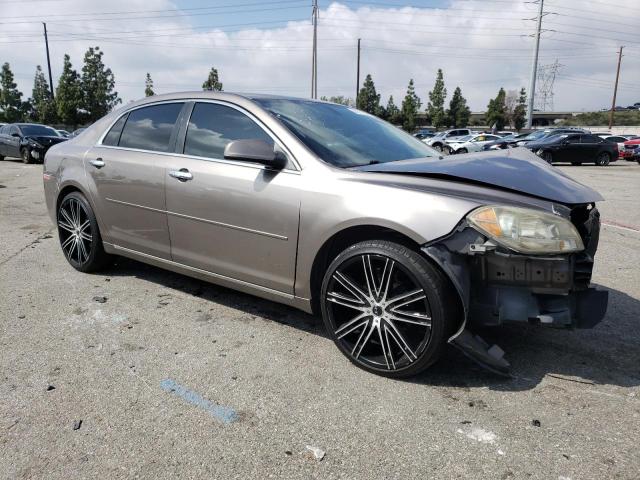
column 527, row 231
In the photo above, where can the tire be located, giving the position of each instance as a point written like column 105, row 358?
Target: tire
column 1, row 158
column 79, row 234
column 438, row 147
column 547, row 157
column 603, row 159
column 25, row 155
column 373, row 327
column 463, row 150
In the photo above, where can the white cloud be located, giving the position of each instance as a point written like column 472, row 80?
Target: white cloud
column 481, row 46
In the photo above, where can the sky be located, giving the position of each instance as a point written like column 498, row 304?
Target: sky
column 265, row 46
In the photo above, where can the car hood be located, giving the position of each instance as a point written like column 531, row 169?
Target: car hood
column 516, row 170
column 45, row 139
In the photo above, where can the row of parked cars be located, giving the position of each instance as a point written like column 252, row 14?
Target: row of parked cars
column 572, row 145
column 30, row 141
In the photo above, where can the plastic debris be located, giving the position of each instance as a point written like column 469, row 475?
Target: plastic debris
column 318, row 453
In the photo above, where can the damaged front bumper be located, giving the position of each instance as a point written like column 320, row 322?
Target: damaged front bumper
column 498, row 286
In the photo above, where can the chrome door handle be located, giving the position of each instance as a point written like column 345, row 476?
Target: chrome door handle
column 98, row 163
column 183, row 174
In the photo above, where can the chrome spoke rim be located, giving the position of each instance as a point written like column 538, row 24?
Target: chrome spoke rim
column 74, row 227
column 379, row 313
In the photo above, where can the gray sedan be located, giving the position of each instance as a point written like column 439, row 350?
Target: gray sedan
column 330, row 210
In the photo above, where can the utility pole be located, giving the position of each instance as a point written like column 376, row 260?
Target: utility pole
column 358, row 74
column 46, row 42
column 534, row 66
column 314, row 60
column 615, row 89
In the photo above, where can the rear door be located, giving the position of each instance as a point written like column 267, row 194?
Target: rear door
column 233, row 218
column 569, row 150
column 128, row 171
column 590, row 147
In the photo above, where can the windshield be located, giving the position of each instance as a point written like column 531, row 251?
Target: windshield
column 343, row 136
column 38, row 130
column 535, row 135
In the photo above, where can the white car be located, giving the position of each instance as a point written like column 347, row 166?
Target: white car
column 470, row 143
column 620, row 139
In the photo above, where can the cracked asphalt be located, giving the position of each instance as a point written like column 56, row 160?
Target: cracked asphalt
column 138, row 384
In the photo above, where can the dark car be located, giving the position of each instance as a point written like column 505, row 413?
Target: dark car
column 28, row 141
column 575, row 148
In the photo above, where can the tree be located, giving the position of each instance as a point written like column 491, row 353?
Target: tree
column 496, row 111
column 435, row 107
column 392, row 112
column 148, row 86
column 340, row 100
column 368, row 99
column 69, row 94
column 520, row 111
column 458, row 113
column 43, row 107
column 410, row 107
column 98, row 95
column 11, row 105
column 212, row 82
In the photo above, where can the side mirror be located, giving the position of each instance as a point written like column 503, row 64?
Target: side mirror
column 258, row 151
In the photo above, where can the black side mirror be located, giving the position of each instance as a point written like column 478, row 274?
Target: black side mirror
column 253, row 150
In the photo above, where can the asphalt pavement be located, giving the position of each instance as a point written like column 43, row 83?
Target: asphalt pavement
column 141, row 373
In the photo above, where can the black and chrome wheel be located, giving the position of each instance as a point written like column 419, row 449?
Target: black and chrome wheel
column 79, row 235
column 439, row 147
column 386, row 308
column 603, row 159
column 25, row 155
column 463, row 150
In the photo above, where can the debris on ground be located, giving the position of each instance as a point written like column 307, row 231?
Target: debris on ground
column 100, row 299
column 317, row 453
column 77, row 424
column 535, row 422
column 50, row 387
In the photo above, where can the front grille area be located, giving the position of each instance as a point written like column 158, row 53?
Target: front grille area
column 586, row 219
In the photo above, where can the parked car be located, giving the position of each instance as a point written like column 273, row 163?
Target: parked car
column 631, row 150
column 619, row 140
column 422, row 136
column 63, row 133
column 469, row 143
column 549, row 132
column 575, row 148
column 77, row 132
column 439, row 139
column 510, row 141
column 331, row 210
column 28, row 141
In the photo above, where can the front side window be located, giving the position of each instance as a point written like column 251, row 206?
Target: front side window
column 213, row 126
column 150, row 128
column 343, row 136
column 37, row 131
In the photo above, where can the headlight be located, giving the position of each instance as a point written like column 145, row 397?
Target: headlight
column 527, row 231
column 33, row 144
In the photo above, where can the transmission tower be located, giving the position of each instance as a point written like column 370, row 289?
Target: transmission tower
column 544, row 86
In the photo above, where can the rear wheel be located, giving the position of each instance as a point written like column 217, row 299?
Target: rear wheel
column 463, row 150
column 79, row 234
column 387, row 308
column 25, row 154
column 603, row 159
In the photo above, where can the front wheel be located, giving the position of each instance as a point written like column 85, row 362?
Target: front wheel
column 462, row 150
column 79, row 234
column 25, row 154
column 547, row 157
column 387, row 308
column 438, row 147
column 603, row 159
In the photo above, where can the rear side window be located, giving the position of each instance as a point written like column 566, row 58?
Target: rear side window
column 150, row 128
column 590, row 139
column 213, row 126
column 113, row 137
